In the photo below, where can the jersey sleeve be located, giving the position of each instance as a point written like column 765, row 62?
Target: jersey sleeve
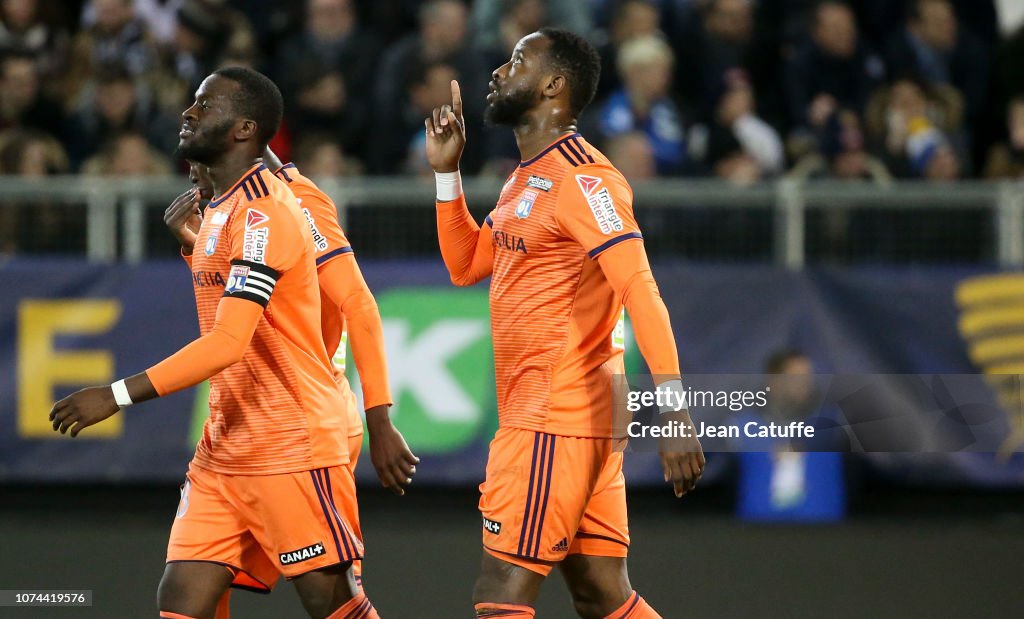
column 329, row 238
column 266, row 241
column 595, row 207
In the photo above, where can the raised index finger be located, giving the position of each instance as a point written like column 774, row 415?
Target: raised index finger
column 457, row 99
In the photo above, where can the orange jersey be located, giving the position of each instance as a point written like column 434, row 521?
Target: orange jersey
column 555, row 319
column 329, row 242
column 279, row 409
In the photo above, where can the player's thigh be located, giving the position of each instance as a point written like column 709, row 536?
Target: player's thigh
column 193, row 588
column 598, row 585
column 325, row 590
column 506, row 579
column 208, row 528
column 297, row 518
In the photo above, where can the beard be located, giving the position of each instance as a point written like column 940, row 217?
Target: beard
column 510, row 109
column 207, row 146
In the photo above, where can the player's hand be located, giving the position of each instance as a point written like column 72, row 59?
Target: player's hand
column 82, row 409
column 395, row 463
column 682, row 458
column 184, row 218
column 446, row 134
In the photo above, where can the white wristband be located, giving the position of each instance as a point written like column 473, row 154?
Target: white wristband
column 674, row 396
column 449, row 185
column 121, row 394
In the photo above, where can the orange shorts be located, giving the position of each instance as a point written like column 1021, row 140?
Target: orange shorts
column 546, row 497
column 349, row 510
column 263, row 526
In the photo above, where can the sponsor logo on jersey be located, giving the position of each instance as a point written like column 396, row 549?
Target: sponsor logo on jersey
column 319, row 240
column 254, row 247
column 303, row 554
column 219, row 218
column 539, row 182
column 600, row 203
column 202, row 279
column 254, row 218
column 526, row 204
column 511, row 242
column 236, row 278
column 211, row 245
column 588, row 183
column 492, row 526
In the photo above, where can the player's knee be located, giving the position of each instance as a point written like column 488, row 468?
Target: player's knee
column 503, row 583
column 590, row 601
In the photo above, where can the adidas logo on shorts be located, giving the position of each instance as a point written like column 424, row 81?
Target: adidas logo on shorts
column 562, row 546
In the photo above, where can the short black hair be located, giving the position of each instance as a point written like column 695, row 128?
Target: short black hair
column 779, row 359
column 573, row 55
column 257, row 98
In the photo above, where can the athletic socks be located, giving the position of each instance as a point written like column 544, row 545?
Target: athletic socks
column 504, row 611
column 358, row 607
column 634, row 608
column 166, row 614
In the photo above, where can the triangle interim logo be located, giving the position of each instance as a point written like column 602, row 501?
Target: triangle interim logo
column 254, row 218
column 588, row 183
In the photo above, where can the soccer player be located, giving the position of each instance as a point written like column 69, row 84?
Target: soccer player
column 261, row 495
column 348, row 311
column 564, row 255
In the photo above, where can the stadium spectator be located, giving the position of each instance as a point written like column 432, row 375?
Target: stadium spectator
column 431, row 89
column 324, row 72
column 22, row 100
column 442, row 37
column 127, row 154
column 632, row 154
column 39, row 226
column 934, row 46
column 206, row 33
column 742, row 147
column 843, row 153
column 644, row 102
column 914, row 126
column 831, row 72
column 22, row 26
column 711, row 59
column 492, row 27
column 117, row 36
column 1006, row 158
column 117, row 103
column 319, row 157
column 631, row 19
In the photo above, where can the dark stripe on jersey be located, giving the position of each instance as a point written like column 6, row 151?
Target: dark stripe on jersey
column 535, row 525
column 570, row 158
column 547, row 150
column 337, row 252
column 245, row 188
column 489, row 221
column 529, row 495
column 603, row 246
column 636, row 600
column 263, row 186
column 215, row 203
column 323, row 506
column 547, row 491
column 342, row 527
column 577, row 146
column 283, row 174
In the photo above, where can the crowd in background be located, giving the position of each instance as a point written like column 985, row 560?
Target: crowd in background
column 742, row 90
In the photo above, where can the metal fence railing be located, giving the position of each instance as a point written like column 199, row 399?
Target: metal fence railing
column 787, row 222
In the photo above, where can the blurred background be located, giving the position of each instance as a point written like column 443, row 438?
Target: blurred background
column 824, row 188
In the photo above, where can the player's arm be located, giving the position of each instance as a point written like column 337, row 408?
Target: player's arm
column 601, row 219
column 223, row 346
column 465, row 246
